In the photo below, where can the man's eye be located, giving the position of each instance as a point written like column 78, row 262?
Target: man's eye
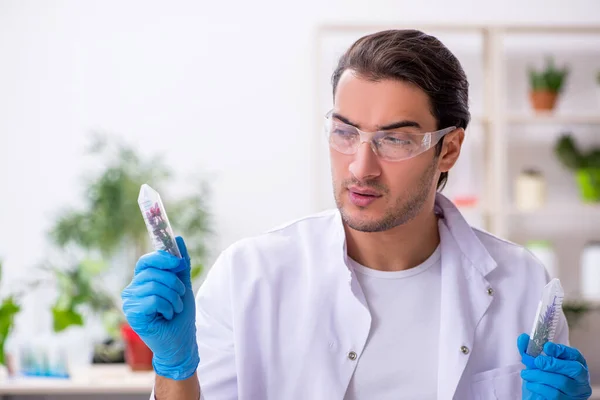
column 398, row 140
column 344, row 132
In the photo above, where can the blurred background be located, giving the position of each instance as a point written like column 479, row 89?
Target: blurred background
column 218, row 106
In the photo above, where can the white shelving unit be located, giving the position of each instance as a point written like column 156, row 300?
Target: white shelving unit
column 505, row 135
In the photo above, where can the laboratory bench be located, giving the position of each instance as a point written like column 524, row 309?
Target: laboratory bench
column 99, row 381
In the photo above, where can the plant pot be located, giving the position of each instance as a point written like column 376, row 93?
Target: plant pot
column 588, row 181
column 543, row 100
column 137, row 355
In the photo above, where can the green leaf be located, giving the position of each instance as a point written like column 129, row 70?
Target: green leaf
column 8, row 310
column 63, row 318
column 550, row 78
column 110, row 213
column 196, row 271
column 63, row 301
column 593, row 158
column 568, row 153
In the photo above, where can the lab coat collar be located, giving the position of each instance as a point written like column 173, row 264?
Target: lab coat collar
column 467, row 242
column 464, row 236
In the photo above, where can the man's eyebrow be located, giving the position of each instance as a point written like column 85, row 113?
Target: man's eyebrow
column 400, row 124
column 344, row 120
column 395, row 125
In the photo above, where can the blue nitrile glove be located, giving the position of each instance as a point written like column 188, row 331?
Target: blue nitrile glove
column 159, row 306
column 559, row 373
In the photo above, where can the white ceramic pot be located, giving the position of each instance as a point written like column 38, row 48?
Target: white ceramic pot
column 530, row 191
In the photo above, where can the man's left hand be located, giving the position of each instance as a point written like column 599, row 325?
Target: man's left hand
column 561, row 373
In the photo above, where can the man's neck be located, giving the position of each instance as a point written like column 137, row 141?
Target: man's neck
column 397, row 249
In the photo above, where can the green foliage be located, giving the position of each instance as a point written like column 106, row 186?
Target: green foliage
column 111, row 213
column 550, row 78
column 78, row 287
column 598, row 77
column 8, row 310
column 573, row 157
column 63, row 318
column 110, row 219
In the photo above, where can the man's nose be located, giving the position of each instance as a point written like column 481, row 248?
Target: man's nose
column 365, row 165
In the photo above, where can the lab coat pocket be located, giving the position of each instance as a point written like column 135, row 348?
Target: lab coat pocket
column 502, row 383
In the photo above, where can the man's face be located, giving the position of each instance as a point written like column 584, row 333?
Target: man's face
column 399, row 189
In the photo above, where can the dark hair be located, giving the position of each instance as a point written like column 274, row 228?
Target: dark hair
column 413, row 56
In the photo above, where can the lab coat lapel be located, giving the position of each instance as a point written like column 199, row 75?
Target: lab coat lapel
column 352, row 310
column 464, row 297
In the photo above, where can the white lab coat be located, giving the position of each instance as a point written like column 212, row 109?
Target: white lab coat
column 281, row 315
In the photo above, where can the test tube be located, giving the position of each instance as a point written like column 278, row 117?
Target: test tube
column 157, row 222
column 546, row 319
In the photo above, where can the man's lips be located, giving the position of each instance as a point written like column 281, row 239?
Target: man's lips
column 364, row 191
column 362, row 197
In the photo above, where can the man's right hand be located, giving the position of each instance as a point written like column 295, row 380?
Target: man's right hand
column 159, row 306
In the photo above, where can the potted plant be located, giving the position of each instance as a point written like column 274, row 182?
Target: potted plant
column 546, row 85
column 80, row 298
column 110, row 220
column 585, row 165
column 111, row 223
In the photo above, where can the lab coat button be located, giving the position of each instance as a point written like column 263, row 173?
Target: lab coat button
column 490, row 291
column 352, row 355
column 464, row 349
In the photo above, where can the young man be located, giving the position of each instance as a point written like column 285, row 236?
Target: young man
column 390, row 296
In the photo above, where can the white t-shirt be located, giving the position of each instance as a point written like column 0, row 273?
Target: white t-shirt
column 400, row 359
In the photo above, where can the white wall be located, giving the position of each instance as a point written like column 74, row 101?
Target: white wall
column 224, row 88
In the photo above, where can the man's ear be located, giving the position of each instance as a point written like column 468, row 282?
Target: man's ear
column 451, row 149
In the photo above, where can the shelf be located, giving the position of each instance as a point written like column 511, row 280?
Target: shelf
column 551, row 118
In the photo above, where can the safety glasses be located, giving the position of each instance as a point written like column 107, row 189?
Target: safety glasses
column 394, row 145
